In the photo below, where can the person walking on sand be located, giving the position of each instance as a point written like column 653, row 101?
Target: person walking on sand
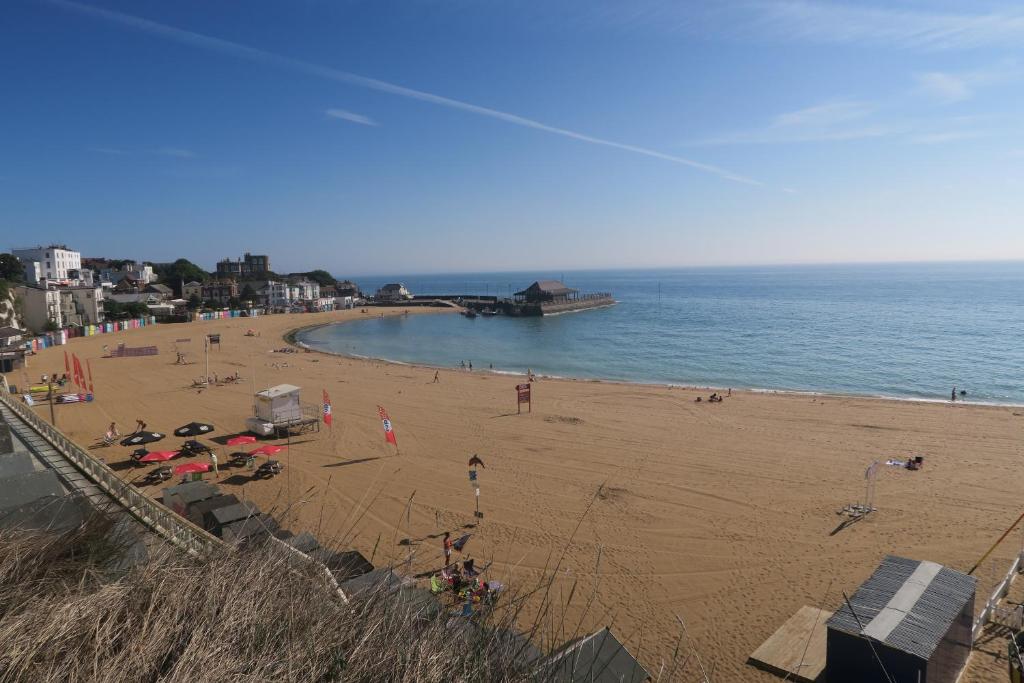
column 113, row 429
column 471, row 366
column 213, row 463
column 952, row 396
column 140, row 426
column 436, row 376
column 447, row 548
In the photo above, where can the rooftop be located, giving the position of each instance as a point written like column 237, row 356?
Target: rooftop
column 907, row 605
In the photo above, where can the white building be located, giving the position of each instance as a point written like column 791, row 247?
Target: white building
column 395, row 291
column 63, row 306
column 308, row 290
column 54, row 262
column 275, row 294
column 135, row 271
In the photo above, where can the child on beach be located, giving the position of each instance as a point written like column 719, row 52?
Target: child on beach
column 447, row 548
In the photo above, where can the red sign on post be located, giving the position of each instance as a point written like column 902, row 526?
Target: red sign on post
column 523, row 392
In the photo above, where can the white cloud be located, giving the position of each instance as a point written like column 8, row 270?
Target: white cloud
column 944, row 87
column 349, row 116
column 337, row 75
column 955, row 87
column 832, row 22
column 829, row 121
column 946, row 136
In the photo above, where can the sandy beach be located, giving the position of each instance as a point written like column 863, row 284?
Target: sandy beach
column 719, row 514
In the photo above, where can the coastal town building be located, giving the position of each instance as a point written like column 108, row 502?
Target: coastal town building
column 546, row 291
column 140, row 273
column 12, row 355
column 274, row 294
column 346, row 288
column 219, row 292
column 190, row 289
column 60, row 305
column 307, row 289
column 394, row 291
column 52, row 262
column 249, row 267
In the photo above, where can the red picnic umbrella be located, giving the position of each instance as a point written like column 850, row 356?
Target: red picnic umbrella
column 239, row 440
column 158, row 456
column 269, row 449
column 190, row 467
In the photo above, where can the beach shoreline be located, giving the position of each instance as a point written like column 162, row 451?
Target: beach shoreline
column 292, row 338
column 724, row 513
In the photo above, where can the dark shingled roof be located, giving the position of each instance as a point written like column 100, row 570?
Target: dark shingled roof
column 922, row 613
column 597, row 658
column 8, row 331
column 553, row 287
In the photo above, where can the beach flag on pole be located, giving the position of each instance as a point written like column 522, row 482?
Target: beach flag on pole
column 67, row 364
column 88, row 366
column 389, row 432
column 327, row 409
column 79, row 381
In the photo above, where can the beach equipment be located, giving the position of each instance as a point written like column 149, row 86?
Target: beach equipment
column 269, row 449
column 239, row 440
column 461, row 542
column 190, row 467
column 193, row 429
column 158, row 456
column 140, row 438
column 193, row 447
column 157, row 475
column 269, row 468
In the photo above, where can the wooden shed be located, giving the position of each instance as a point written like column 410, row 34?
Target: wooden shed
column 917, row 617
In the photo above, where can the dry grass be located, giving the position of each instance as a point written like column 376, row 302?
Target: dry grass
column 251, row 615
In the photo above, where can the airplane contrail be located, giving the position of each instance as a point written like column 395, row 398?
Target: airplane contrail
column 330, row 73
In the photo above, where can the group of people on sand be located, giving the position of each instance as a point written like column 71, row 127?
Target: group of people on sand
column 715, row 397
column 464, row 581
column 59, row 380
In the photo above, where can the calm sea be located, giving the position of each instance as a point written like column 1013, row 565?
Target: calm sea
column 911, row 331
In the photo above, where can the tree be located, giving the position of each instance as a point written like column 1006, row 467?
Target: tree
column 11, row 268
column 182, row 270
column 194, row 302
column 321, row 277
column 113, row 309
column 248, row 293
column 136, row 309
column 51, row 326
column 234, row 303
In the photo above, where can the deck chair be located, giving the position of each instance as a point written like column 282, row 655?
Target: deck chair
column 108, row 439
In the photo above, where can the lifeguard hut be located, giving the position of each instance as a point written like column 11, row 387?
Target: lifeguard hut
column 279, row 410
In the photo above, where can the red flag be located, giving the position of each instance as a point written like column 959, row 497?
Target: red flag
column 389, row 432
column 88, row 366
column 327, row 409
column 78, row 371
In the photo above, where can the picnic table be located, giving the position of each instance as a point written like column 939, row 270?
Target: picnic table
column 269, row 468
column 160, row 474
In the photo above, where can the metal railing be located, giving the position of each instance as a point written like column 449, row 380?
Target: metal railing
column 160, row 519
column 1000, row 591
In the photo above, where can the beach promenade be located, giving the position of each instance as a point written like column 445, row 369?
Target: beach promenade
column 719, row 513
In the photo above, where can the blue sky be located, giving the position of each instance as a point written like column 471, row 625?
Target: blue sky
column 468, row 135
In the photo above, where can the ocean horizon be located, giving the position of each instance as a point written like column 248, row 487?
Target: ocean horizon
column 908, row 330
